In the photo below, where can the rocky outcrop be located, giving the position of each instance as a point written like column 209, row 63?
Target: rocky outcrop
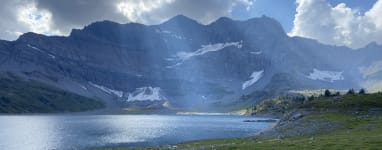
column 297, row 123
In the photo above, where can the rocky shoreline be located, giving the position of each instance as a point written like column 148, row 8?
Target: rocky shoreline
column 298, row 123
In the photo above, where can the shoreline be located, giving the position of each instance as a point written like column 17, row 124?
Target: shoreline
column 122, row 111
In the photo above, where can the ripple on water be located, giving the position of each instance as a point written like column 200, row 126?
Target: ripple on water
column 74, row 132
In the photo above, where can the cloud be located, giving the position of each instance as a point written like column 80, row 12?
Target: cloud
column 69, row 14
column 156, row 11
column 338, row 25
column 20, row 16
column 8, row 25
column 35, row 20
column 59, row 17
column 135, row 11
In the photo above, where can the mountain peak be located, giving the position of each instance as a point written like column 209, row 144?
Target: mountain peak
column 268, row 23
column 180, row 19
column 372, row 44
column 29, row 36
column 102, row 24
column 264, row 19
column 222, row 20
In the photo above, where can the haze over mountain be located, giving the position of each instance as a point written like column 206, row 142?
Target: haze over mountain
column 186, row 64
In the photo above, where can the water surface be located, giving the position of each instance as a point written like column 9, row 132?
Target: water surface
column 38, row 132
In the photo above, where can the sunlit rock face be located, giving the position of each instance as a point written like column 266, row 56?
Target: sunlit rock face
column 186, row 63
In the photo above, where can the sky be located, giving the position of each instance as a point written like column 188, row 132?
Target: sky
column 352, row 23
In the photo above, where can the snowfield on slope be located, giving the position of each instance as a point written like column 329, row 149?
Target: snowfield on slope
column 107, row 90
column 256, row 53
column 324, row 75
column 166, row 32
column 180, row 57
column 255, row 76
column 41, row 51
column 146, row 94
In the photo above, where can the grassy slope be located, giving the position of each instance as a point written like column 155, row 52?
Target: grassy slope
column 357, row 101
column 28, row 96
column 275, row 106
column 365, row 133
column 361, row 127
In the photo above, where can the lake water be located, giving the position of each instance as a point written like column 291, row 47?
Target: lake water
column 39, row 132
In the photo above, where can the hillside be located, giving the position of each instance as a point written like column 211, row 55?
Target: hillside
column 29, row 96
column 337, row 122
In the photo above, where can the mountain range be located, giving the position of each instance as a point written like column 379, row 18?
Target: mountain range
column 189, row 64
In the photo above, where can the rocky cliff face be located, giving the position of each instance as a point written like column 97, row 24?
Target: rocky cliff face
column 192, row 64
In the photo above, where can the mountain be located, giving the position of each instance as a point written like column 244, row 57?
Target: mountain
column 192, row 64
column 29, row 96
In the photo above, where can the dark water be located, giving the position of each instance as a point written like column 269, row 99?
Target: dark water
column 78, row 132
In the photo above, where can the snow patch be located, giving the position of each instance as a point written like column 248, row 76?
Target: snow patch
column 41, row 51
column 170, row 59
column 205, row 49
column 173, row 66
column 255, row 76
column 146, row 94
column 324, row 75
column 166, row 104
column 170, row 34
column 51, row 56
column 183, row 56
column 35, row 48
column 83, row 87
column 256, row 53
column 374, row 68
column 107, row 90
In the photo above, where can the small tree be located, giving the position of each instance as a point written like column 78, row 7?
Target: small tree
column 351, row 92
column 362, row 91
column 337, row 93
column 327, row 93
column 311, row 98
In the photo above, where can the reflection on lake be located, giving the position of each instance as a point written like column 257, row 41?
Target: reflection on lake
column 86, row 131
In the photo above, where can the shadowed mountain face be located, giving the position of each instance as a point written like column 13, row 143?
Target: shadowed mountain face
column 188, row 63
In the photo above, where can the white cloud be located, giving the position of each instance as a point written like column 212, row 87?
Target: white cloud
column 338, row 25
column 36, row 20
column 156, row 11
column 374, row 14
column 134, row 10
column 247, row 3
column 20, row 16
column 61, row 16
